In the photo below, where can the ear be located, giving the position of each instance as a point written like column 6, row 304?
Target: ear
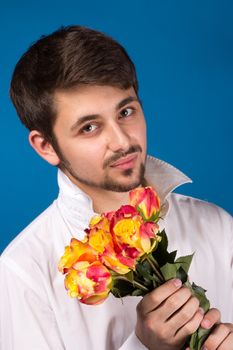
column 43, row 147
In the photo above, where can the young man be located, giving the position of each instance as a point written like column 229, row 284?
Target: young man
column 76, row 91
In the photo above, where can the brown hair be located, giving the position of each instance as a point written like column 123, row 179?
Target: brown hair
column 69, row 57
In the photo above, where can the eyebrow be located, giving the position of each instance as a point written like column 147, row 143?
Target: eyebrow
column 87, row 118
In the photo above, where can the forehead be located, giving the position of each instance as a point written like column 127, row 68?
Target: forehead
column 76, row 102
column 90, row 94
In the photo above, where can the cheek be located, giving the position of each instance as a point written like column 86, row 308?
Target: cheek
column 87, row 152
column 140, row 133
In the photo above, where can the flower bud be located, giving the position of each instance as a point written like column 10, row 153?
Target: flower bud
column 146, row 201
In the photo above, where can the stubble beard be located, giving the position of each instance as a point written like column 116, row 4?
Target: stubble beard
column 109, row 183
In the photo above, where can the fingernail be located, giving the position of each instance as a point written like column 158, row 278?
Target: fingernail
column 204, row 348
column 177, row 283
column 201, row 311
column 206, row 324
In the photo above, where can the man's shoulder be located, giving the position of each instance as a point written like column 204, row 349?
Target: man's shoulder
column 33, row 252
column 198, row 223
column 33, row 255
column 198, row 207
column 36, row 231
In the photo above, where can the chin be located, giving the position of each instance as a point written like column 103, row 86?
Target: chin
column 124, row 186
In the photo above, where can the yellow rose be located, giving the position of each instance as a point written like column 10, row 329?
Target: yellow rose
column 90, row 283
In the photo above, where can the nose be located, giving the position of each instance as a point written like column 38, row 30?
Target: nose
column 117, row 138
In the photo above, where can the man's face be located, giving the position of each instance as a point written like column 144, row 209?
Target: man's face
column 101, row 137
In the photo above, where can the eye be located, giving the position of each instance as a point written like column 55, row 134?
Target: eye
column 88, row 128
column 126, row 112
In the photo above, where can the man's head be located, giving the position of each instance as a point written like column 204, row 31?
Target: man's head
column 77, row 72
column 70, row 57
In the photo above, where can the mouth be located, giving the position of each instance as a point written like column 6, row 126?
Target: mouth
column 125, row 162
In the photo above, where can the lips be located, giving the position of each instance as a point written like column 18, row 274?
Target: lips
column 126, row 162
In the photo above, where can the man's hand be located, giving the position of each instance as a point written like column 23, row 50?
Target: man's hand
column 221, row 337
column 166, row 316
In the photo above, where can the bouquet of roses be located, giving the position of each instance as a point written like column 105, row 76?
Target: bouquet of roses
column 125, row 253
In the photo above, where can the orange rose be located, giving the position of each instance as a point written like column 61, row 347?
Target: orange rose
column 131, row 236
column 90, row 283
column 117, row 261
column 146, row 201
column 101, row 240
column 98, row 235
column 77, row 251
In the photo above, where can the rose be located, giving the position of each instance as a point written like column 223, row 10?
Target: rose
column 77, row 251
column 86, row 277
column 89, row 282
column 116, row 261
column 101, row 240
column 125, row 226
column 129, row 230
column 98, row 235
column 149, row 238
column 132, row 237
column 146, row 201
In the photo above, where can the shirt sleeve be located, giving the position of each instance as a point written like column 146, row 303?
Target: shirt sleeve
column 132, row 343
column 26, row 322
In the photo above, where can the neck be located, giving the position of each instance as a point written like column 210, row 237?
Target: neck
column 104, row 201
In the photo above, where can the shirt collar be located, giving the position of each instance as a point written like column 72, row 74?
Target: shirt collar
column 76, row 206
column 164, row 177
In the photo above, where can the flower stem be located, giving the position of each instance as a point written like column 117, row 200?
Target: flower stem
column 134, row 283
column 153, row 263
column 140, row 286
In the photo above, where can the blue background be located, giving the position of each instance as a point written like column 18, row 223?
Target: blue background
column 183, row 51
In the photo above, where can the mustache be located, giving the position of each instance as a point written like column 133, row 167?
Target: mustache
column 120, row 154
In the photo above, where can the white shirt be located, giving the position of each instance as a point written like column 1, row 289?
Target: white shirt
column 36, row 312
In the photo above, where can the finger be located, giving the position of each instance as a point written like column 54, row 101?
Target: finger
column 153, row 299
column 179, row 305
column 219, row 337
column 191, row 326
column 211, row 317
column 185, row 313
column 227, row 344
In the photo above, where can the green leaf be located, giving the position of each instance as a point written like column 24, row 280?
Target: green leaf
column 178, row 269
column 169, row 270
column 172, row 255
column 198, row 289
column 137, row 292
column 129, row 276
column 181, row 274
column 144, row 269
column 121, row 287
column 199, row 292
column 160, row 254
column 185, row 262
column 145, row 275
column 198, row 338
column 164, row 241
